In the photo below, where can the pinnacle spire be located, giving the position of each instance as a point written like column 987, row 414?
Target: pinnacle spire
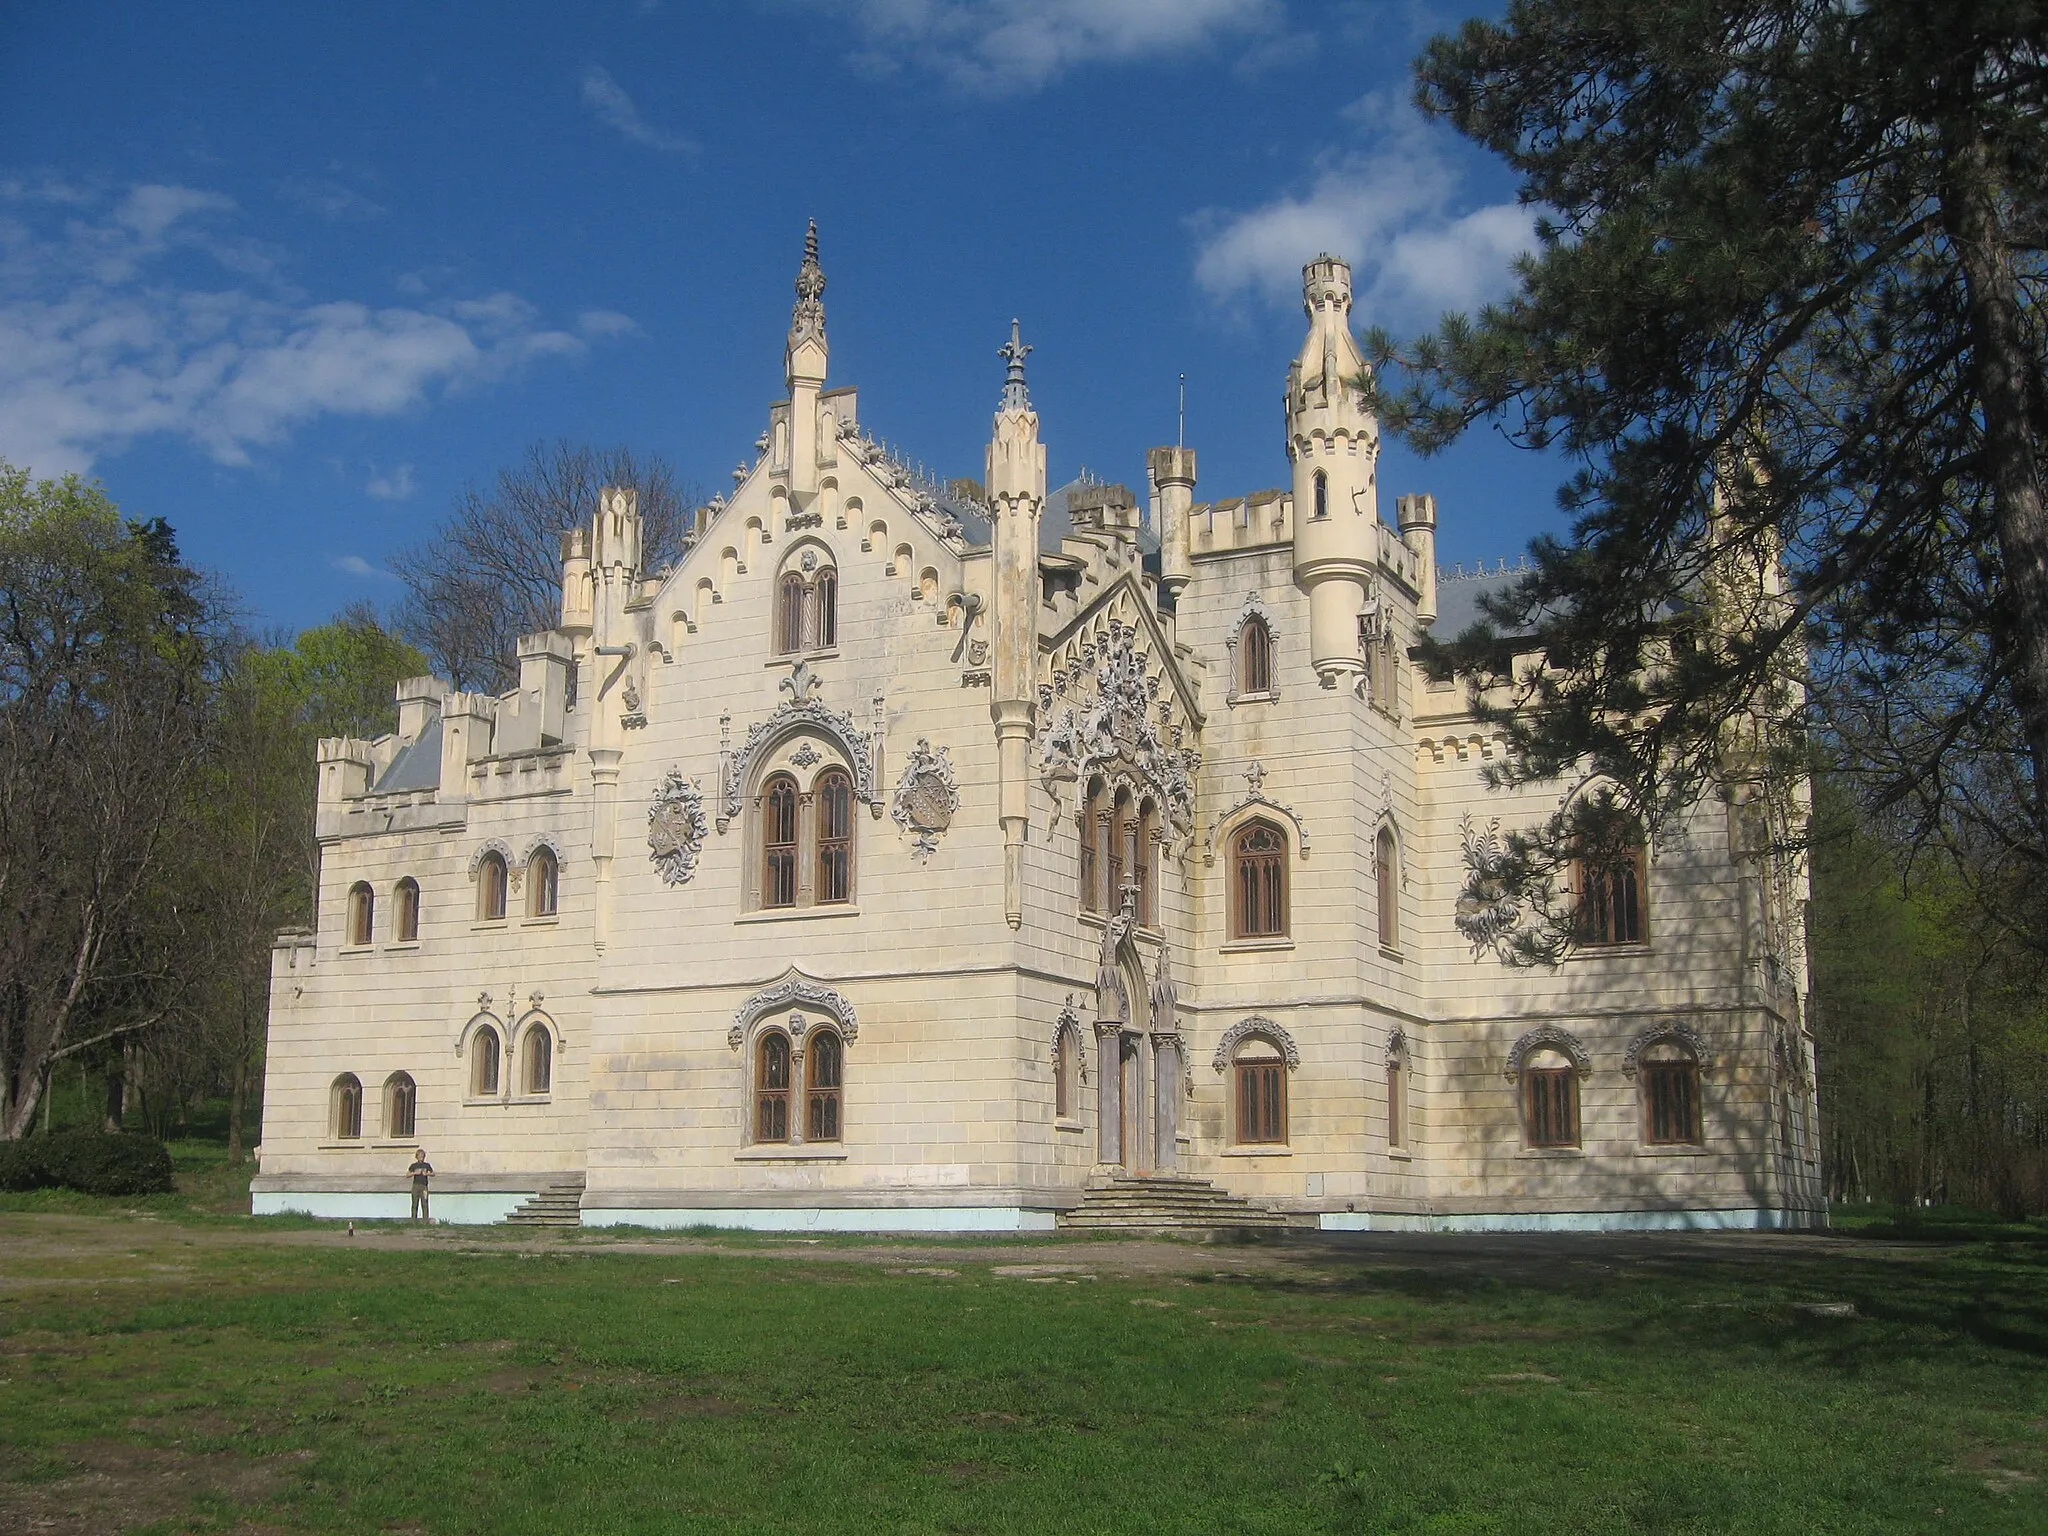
column 807, row 319
column 1015, row 396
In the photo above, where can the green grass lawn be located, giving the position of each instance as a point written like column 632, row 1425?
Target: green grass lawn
column 174, row 1370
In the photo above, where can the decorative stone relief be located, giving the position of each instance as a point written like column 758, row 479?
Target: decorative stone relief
column 1070, row 1019
column 675, row 828
column 497, row 846
column 806, row 756
column 800, row 711
column 1547, row 1037
column 1244, row 1029
column 926, row 797
column 1112, row 1001
column 543, row 840
column 1113, row 730
column 633, row 717
column 1255, row 795
column 793, row 989
column 1657, row 1034
column 1397, row 1047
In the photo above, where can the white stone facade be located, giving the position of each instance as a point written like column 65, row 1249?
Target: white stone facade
column 990, row 653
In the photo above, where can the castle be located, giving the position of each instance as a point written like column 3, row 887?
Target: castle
column 976, row 856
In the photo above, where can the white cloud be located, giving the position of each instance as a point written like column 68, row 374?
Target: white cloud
column 331, row 199
column 608, row 101
column 607, row 322
column 356, row 565
column 1390, row 208
column 1021, row 45
column 396, row 486
column 147, row 314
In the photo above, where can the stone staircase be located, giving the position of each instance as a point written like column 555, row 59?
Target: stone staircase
column 556, row 1205
column 1166, row 1203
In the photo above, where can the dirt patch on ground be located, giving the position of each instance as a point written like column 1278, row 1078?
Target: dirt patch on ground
column 108, row 1486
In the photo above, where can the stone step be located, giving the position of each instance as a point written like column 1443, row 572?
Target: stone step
column 1166, row 1203
column 559, row 1204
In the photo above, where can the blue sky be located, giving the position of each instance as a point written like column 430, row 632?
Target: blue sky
column 290, row 276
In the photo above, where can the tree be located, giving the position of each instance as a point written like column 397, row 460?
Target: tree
column 493, row 570
column 1783, row 316
column 106, row 643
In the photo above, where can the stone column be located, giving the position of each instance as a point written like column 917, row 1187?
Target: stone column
column 1139, row 1155
column 1166, row 1075
column 1109, row 1097
column 604, row 793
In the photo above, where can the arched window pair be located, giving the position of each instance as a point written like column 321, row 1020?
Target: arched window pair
column 793, row 844
column 345, row 1109
column 405, row 913
column 487, row 1061
column 543, row 885
column 1667, row 1087
column 1119, row 846
column 1258, row 881
column 807, row 609
column 782, row 1113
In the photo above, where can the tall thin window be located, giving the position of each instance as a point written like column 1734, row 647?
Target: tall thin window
column 835, row 836
column 490, row 887
column 1550, row 1101
column 1114, row 840
column 1261, row 1082
column 1387, row 859
column 540, row 1059
column 1611, row 897
column 1066, row 1064
column 1397, row 1103
column 405, row 913
column 771, row 1087
column 1146, row 863
column 348, row 1107
column 486, row 1052
column 1670, row 1083
column 1255, row 658
column 1322, row 491
column 789, row 614
column 824, row 1063
column 1092, row 813
column 1259, row 882
column 778, row 843
column 362, row 907
column 543, row 880
column 401, row 1105
column 828, row 609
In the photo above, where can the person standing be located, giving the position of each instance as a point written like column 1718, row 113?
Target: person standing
column 421, row 1171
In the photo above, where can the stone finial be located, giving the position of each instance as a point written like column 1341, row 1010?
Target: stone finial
column 1015, row 396
column 807, row 319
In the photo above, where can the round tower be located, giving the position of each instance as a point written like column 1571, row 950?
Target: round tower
column 1334, row 444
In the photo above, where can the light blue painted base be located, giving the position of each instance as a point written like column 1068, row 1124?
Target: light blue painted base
column 914, row 1218
column 1751, row 1220
column 479, row 1209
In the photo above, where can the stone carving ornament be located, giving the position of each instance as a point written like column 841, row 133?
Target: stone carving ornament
column 1547, row 1037
column 1670, row 1032
column 793, row 989
column 675, row 828
column 1244, row 1029
column 926, row 797
column 802, row 710
column 1114, row 728
column 1255, row 795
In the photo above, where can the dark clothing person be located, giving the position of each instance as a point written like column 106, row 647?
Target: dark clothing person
column 421, row 1171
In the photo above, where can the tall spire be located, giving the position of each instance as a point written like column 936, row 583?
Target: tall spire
column 1015, row 396
column 807, row 319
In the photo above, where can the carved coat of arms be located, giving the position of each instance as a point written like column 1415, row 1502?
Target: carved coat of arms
column 675, row 827
column 926, row 797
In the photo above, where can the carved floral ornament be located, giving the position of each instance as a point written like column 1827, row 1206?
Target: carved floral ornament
column 1668, row 1033
column 676, row 827
column 1110, row 727
column 1256, row 1025
column 1254, row 796
column 793, row 989
column 1547, row 1037
column 1070, row 1019
column 1397, row 1047
column 926, row 797
column 497, row 846
column 801, row 711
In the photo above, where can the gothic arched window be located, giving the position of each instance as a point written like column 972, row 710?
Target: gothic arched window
column 401, row 1105
column 490, row 887
column 824, row 1067
column 1322, row 494
column 347, row 1107
column 1094, row 816
column 1258, row 892
column 1255, row 657
column 486, row 1053
column 806, row 605
column 772, row 1067
column 405, row 913
column 834, row 795
column 1669, row 1081
column 543, row 878
column 828, row 608
column 1610, row 884
column 1120, row 833
column 1259, row 1073
column 1387, row 859
column 1550, row 1100
column 1145, row 862
column 778, row 842
column 1066, row 1071
column 540, row 1059
column 362, row 907
column 789, row 614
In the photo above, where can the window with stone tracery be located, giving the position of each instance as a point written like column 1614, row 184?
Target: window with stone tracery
column 778, row 842
column 1258, row 893
column 1255, row 657
column 347, row 1109
column 1259, row 1073
column 824, row 1070
column 806, row 606
column 772, row 1070
column 804, row 838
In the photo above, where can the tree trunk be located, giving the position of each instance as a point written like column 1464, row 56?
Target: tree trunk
column 1999, row 356
column 117, row 1094
column 235, row 1096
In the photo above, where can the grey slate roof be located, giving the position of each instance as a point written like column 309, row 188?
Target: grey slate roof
column 418, row 764
column 1457, row 599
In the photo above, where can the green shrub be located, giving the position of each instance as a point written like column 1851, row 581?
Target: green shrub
column 88, row 1161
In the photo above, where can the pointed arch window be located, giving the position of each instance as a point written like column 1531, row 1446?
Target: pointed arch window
column 1610, row 884
column 1387, row 869
column 1094, row 817
column 789, row 614
column 1066, row 1071
column 1145, row 861
column 543, row 882
column 835, row 836
column 828, row 608
column 491, row 881
column 772, row 1071
column 347, row 1107
column 401, row 1105
column 1397, row 1103
column 486, row 1059
column 362, row 908
column 1117, row 834
column 778, row 842
column 824, row 1069
column 405, row 913
column 1258, row 893
column 1322, row 495
column 539, row 1052
column 1255, row 657
column 807, row 606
